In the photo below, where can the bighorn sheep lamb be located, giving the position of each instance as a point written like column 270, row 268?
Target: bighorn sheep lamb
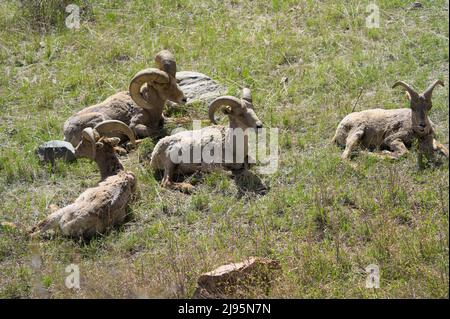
column 141, row 107
column 392, row 131
column 102, row 207
column 217, row 138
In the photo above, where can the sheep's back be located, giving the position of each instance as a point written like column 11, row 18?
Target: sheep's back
column 377, row 124
column 101, row 207
column 187, row 141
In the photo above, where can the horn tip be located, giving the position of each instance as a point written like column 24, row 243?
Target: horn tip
column 397, row 83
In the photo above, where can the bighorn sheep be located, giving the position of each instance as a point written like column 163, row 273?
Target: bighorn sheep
column 392, row 130
column 216, row 138
column 141, row 107
column 101, row 207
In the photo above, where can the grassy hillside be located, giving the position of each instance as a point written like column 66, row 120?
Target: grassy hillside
column 323, row 219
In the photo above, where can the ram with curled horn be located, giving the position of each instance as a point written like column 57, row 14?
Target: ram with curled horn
column 104, row 206
column 141, row 107
column 218, row 145
column 394, row 130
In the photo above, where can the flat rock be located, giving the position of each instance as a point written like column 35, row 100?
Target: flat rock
column 226, row 280
column 51, row 150
column 198, row 87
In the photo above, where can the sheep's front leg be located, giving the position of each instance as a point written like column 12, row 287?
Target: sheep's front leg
column 169, row 170
column 426, row 147
column 142, row 125
column 351, row 142
column 441, row 149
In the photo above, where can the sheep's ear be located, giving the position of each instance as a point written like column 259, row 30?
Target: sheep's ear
column 247, row 95
column 226, row 110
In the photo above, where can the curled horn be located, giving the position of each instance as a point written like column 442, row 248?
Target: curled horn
column 165, row 61
column 142, row 77
column 412, row 93
column 429, row 91
column 230, row 101
column 89, row 134
column 247, row 95
column 110, row 126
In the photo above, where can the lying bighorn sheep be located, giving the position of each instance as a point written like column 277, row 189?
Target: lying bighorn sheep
column 141, row 107
column 392, row 130
column 101, row 207
column 216, row 138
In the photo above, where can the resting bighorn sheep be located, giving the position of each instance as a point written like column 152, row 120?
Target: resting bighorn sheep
column 392, row 130
column 101, row 207
column 140, row 108
column 216, row 138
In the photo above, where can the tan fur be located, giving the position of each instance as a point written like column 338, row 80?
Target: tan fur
column 98, row 208
column 120, row 106
column 95, row 211
column 392, row 131
column 241, row 117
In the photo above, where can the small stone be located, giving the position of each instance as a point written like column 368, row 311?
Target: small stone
column 198, row 87
column 226, row 280
column 416, row 5
column 51, row 150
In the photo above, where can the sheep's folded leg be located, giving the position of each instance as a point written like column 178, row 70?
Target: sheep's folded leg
column 142, row 131
column 48, row 223
column 183, row 187
column 439, row 148
column 167, row 182
column 396, row 145
column 351, row 142
column 398, row 149
column 179, row 120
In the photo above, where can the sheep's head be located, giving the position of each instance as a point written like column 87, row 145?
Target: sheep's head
column 240, row 112
column 100, row 138
column 420, row 105
column 162, row 79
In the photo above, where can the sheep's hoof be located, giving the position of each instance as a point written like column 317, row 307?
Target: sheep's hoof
column 182, row 187
column 346, row 158
column 185, row 188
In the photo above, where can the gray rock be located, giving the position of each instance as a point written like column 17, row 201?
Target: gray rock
column 199, row 87
column 51, row 150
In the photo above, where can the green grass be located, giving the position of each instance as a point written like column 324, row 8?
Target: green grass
column 324, row 220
